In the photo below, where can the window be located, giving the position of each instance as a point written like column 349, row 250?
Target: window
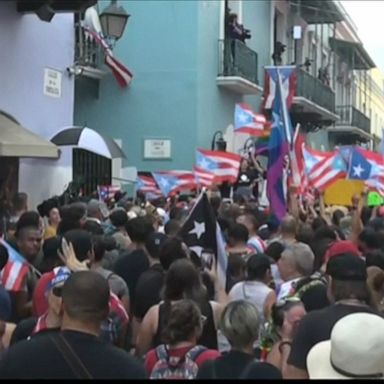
column 91, row 170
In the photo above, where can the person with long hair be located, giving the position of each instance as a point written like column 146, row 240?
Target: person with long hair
column 182, row 281
column 180, row 336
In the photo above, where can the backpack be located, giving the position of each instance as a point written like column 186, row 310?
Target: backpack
column 175, row 368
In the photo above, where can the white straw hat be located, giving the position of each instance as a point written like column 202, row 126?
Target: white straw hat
column 355, row 350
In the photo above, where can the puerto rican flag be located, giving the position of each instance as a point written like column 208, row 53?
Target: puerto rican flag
column 15, row 271
column 122, row 74
column 171, row 182
column 223, row 165
column 298, row 176
column 107, row 192
column 203, row 177
column 323, row 168
column 247, row 121
column 147, row 184
column 288, row 77
column 368, row 166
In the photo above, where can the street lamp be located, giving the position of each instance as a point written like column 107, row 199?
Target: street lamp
column 113, row 20
column 218, row 142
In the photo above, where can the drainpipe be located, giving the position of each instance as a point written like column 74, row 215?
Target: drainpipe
column 316, row 48
column 334, row 58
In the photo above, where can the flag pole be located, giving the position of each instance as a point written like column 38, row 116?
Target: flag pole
column 288, row 134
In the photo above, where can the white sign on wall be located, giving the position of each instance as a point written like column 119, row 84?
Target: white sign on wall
column 157, row 149
column 52, row 82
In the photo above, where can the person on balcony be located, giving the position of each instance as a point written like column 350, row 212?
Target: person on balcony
column 324, row 75
column 236, row 30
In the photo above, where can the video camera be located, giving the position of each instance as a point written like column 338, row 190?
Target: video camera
column 246, row 33
column 280, row 48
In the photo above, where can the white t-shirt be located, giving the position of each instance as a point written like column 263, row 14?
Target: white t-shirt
column 254, row 291
column 285, row 288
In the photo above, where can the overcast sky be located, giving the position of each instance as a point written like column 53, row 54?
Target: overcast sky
column 368, row 16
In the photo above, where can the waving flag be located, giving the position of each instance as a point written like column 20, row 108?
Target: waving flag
column 281, row 140
column 277, row 150
column 365, row 165
column 288, row 77
column 323, row 168
column 261, row 145
column 203, row 177
column 246, row 121
column 223, row 165
column 107, row 192
column 368, row 166
column 171, row 182
column 15, row 271
column 92, row 27
column 302, row 182
column 146, row 184
column 201, row 231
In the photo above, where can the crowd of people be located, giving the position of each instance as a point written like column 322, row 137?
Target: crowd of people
column 112, row 291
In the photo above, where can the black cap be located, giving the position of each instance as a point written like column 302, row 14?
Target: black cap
column 154, row 243
column 347, row 267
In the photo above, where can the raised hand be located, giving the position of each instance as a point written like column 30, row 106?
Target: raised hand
column 68, row 257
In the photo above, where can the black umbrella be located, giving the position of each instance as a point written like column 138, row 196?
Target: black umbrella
column 89, row 139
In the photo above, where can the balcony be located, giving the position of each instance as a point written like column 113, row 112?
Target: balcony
column 352, row 124
column 314, row 100
column 88, row 56
column 238, row 68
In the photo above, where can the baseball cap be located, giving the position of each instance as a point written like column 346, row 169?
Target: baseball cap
column 340, row 247
column 347, row 267
column 60, row 275
column 154, row 243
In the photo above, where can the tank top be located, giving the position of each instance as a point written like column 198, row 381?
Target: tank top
column 208, row 337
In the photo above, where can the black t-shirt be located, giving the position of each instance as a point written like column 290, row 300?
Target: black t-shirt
column 246, row 178
column 130, row 266
column 23, row 330
column 317, row 326
column 148, row 289
column 230, row 365
column 39, row 358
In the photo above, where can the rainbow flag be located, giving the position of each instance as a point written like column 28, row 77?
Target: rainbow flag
column 261, row 145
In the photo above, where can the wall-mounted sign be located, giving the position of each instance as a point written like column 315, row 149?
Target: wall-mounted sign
column 297, row 32
column 52, row 82
column 157, row 148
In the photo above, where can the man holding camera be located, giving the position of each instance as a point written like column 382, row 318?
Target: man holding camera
column 237, row 31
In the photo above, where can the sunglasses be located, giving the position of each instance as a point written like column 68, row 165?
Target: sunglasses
column 57, row 291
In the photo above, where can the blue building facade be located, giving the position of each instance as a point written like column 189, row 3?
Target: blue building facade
column 173, row 50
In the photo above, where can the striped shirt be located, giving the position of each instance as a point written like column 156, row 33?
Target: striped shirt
column 256, row 244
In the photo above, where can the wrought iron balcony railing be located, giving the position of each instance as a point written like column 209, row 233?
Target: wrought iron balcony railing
column 351, row 116
column 315, row 90
column 87, row 52
column 236, row 59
